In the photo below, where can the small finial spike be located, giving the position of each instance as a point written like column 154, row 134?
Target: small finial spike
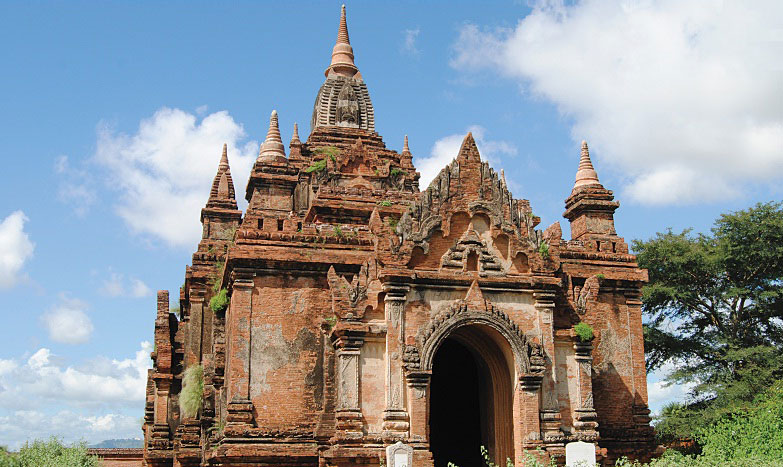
column 224, row 157
column 272, row 147
column 586, row 174
column 295, row 137
column 405, row 147
column 342, row 32
column 342, row 53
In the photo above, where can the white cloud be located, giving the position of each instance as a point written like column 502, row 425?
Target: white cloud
column 164, row 171
column 409, row 41
column 117, row 286
column 445, row 149
column 101, row 382
column 100, row 399
column 683, row 101
column 15, row 248
column 23, row 425
column 67, row 322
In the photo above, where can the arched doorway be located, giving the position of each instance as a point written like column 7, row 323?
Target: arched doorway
column 471, row 398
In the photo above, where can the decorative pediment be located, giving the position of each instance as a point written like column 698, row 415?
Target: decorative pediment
column 465, row 185
column 458, row 257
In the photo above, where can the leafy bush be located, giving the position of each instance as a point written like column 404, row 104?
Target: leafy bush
column 219, row 302
column 51, row 453
column 584, row 331
column 755, row 433
column 385, row 203
column 395, row 172
column 192, row 395
column 338, row 232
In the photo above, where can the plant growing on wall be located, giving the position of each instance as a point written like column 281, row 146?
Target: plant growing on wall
column 219, row 302
column 192, row 396
column 543, row 250
column 584, row 332
column 316, row 166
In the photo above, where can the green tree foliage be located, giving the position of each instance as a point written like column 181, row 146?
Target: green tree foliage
column 714, row 305
column 51, row 453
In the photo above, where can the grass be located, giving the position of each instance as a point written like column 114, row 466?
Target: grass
column 192, row 396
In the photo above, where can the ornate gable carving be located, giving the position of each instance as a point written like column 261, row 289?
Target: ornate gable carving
column 456, row 258
column 467, row 185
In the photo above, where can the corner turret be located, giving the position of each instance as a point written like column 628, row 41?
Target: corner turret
column 590, row 210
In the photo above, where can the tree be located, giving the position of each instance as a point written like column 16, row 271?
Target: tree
column 51, row 453
column 714, row 306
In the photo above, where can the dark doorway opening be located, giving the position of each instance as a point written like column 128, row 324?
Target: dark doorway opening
column 455, row 407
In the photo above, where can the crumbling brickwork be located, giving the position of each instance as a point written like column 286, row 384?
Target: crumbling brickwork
column 343, row 282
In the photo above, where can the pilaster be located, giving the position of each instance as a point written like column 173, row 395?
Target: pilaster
column 238, row 319
column 418, row 404
column 349, row 413
column 395, row 417
column 585, row 422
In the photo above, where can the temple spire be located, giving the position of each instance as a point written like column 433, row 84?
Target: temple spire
column 222, row 193
column 295, row 137
column 342, row 53
column 272, row 148
column 586, row 174
column 405, row 147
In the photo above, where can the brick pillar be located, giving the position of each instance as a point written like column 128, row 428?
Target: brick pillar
column 550, row 411
column 585, row 423
column 641, row 411
column 418, row 405
column 193, row 337
column 160, row 429
column 162, row 374
column 527, row 421
column 238, row 322
column 395, row 417
column 349, row 413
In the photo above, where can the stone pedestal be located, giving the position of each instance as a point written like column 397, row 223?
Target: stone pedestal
column 580, row 454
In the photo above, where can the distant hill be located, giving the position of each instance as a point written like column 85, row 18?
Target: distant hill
column 119, row 443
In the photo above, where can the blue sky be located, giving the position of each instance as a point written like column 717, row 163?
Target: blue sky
column 113, row 116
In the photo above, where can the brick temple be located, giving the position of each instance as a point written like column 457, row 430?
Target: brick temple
column 364, row 313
